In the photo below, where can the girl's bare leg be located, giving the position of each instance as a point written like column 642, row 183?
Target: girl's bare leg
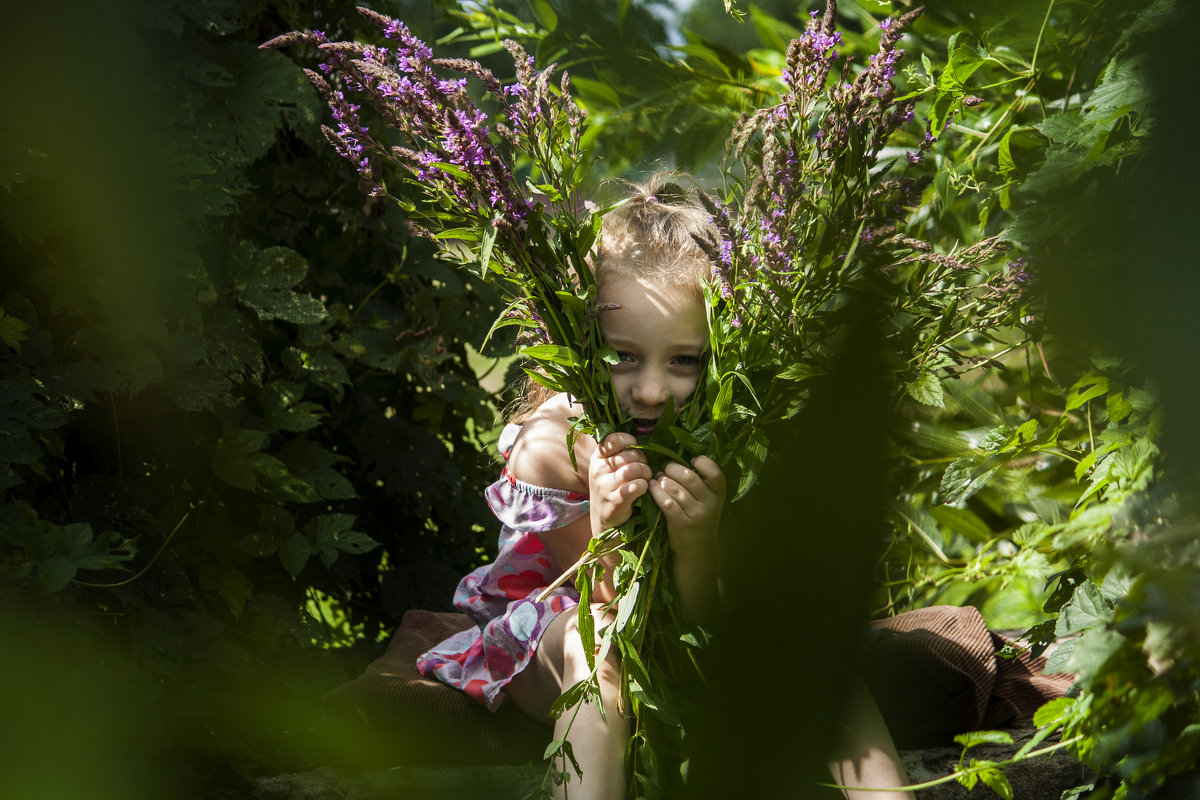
column 597, row 743
column 868, row 757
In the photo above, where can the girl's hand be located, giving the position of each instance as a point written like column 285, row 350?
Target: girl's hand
column 617, row 476
column 691, row 500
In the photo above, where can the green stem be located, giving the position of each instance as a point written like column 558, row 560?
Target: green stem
column 142, row 571
column 954, row 775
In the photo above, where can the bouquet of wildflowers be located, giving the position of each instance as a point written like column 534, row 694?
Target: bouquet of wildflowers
column 815, row 209
column 531, row 239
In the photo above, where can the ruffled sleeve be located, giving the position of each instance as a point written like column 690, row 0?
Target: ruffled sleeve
column 528, row 508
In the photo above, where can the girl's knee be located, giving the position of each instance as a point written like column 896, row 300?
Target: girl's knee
column 608, row 668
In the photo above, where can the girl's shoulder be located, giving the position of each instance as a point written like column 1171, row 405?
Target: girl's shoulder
column 539, row 454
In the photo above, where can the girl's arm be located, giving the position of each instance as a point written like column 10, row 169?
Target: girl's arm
column 611, row 474
column 691, row 500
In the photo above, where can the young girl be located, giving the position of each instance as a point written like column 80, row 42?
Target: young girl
column 649, row 274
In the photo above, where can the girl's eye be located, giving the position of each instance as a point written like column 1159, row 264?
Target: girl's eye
column 687, row 361
column 625, row 358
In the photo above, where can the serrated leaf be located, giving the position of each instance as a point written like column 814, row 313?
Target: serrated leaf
column 927, row 389
column 962, row 479
column 268, row 291
column 997, row 781
column 1060, row 659
column 1087, row 609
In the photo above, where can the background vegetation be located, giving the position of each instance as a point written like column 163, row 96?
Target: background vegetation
column 239, row 414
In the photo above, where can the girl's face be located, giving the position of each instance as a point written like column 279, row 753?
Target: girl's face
column 659, row 333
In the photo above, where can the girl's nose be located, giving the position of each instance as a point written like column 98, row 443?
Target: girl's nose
column 650, row 390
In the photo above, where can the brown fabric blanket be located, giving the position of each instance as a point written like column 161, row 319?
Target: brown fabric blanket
column 934, row 673
column 403, row 718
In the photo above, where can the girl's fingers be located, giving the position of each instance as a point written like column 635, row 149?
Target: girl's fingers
column 616, row 442
column 626, row 457
column 711, row 473
column 698, row 484
column 632, row 471
column 673, row 498
column 664, row 499
column 633, row 489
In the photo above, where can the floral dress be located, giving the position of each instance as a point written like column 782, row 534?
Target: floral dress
column 501, row 597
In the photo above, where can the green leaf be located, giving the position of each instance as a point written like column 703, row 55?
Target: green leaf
column 544, row 14
column 233, row 461
column 963, row 521
column 1051, row 712
column 720, row 406
column 12, row 330
column 596, row 92
column 997, row 781
column 282, row 406
column 1093, row 650
column 976, row 738
column 627, row 604
column 1089, row 386
column 330, row 533
column 274, row 272
column 962, row 479
column 1088, row 609
column 231, row 584
column 294, row 552
column 63, row 551
column 553, row 353
column 568, row 699
column 927, row 389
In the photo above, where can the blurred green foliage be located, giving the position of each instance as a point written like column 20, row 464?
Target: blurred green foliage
column 232, row 387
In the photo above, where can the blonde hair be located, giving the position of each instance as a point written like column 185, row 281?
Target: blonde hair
column 651, row 235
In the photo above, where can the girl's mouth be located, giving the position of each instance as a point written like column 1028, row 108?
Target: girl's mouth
column 644, row 427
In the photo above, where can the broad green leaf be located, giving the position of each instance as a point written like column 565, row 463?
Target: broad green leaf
column 927, row 389
column 720, row 406
column 274, row 272
column 1088, row 609
column 232, row 459
column 962, row 479
column 1052, row 711
column 64, row 550
column 294, row 552
column 1093, row 650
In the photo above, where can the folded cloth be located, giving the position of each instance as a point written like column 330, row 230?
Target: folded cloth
column 403, row 718
column 936, row 672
